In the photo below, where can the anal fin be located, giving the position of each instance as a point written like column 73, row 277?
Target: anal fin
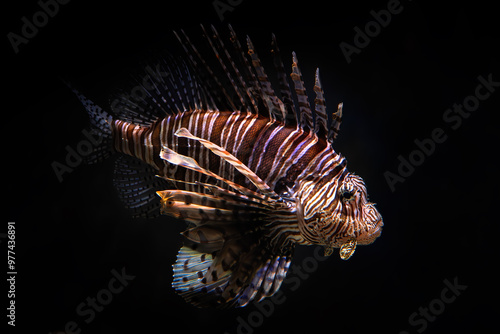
column 190, row 280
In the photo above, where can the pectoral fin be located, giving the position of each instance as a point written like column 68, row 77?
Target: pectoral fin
column 347, row 249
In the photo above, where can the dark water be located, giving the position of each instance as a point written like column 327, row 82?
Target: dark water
column 431, row 271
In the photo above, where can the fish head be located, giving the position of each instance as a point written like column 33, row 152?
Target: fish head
column 341, row 216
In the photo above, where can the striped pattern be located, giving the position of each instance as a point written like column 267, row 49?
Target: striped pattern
column 252, row 173
column 281, row 156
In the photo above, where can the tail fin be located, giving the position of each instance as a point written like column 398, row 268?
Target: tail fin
column 100, row 126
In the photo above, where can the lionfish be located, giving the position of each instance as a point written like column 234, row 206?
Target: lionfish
column 253, row 173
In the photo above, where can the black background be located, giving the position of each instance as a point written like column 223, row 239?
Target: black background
column 439, row 224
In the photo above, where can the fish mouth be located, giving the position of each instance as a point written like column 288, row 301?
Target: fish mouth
column 373, row 233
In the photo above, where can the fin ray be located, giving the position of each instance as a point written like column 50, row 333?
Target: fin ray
column 286, row 94
column 137, row 184
column 306, row 120
column 336, row 120
column 320, row 125
column 231, row 159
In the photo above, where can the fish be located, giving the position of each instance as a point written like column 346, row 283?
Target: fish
column 248, row 165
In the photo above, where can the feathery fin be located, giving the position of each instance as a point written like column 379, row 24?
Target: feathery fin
column 226, row 259
column 306, row 119
column 320, row 125
column 231, row 159
column 286, row 94
column 188, row 162
column 336, row 120
column 100, row 125
column 137, row 184
column 270, row 99
column 218, row 48
column 190, row 276
column 246, row 76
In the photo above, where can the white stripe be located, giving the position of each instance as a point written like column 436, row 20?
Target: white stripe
column 125, row 142
column 241, row 135
column 266, row 144
column 280, row 158
column 297, row 154
column 138, row 130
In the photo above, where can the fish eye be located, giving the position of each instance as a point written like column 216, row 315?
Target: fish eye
column 346, row 195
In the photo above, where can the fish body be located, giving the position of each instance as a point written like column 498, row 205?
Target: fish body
column 253, row 174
